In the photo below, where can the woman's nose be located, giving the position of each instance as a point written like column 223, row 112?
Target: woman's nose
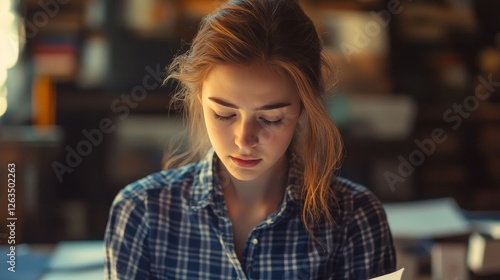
column 247, row 136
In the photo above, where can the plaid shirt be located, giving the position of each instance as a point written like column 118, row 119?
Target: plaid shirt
column 174, row 225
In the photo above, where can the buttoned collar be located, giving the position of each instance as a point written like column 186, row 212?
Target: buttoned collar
column 206, row 187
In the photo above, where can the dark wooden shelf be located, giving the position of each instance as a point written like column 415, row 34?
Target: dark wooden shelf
column 155, row 102
column 486, row 112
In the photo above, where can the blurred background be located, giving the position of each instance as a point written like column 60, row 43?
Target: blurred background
column 83, row 111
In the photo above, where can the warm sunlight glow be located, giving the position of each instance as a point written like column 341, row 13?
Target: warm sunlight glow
column 9, row 47
column 9, row 42
column 3, row 103
column 3, row 76
column 5, row 6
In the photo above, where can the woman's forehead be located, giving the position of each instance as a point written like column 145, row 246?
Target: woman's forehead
column 259, row 81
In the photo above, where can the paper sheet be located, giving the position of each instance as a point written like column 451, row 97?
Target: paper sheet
column 78, row 255
column 396, row 275
column 426, row 219
column 77, row 260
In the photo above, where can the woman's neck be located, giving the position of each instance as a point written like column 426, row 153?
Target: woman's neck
column 266, row 190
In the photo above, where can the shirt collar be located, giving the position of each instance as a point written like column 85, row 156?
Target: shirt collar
column 207, row 190
column 295, row 178
column 204, row 181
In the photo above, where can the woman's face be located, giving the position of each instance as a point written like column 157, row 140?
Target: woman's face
column 250, row 114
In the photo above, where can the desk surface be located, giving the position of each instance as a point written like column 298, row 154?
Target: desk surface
column 69, row 260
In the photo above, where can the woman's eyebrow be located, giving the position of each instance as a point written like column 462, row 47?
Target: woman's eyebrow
column 223, row 103
column 265, row 107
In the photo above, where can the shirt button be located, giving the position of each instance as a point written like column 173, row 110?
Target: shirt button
column 269, row 221
column 255, row 241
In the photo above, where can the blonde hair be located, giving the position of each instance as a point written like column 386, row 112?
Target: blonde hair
column 276, row 33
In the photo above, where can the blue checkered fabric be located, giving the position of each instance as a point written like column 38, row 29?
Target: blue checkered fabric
column 174, row 225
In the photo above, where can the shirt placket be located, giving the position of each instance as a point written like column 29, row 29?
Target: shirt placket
column 228, row 245
column 254, row 240
column 249, row 252
column 226, row 239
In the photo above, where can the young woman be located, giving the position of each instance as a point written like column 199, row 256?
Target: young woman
column 256, row 196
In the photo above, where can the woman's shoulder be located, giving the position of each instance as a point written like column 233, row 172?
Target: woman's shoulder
column 165, row 183
column 365, row 234
column 350, row 188
column 353, row 199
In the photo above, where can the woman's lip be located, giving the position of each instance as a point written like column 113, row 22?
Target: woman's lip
column 245, row 162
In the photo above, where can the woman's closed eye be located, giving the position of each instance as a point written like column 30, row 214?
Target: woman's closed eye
column 272, row 123
column 265, row 121
column 223, row 118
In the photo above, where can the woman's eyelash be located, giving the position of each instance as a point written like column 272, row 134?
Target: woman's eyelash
column 278, row 122
column 222, row 118
column 266, row 122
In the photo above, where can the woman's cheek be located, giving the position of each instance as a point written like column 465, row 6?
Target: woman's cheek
column 274, row 133
column 267, row 134
column 222, row 133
